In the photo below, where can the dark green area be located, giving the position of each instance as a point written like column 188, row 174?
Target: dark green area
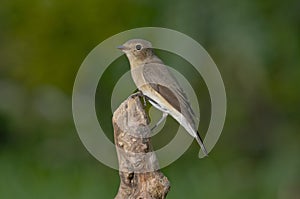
column 255, row 44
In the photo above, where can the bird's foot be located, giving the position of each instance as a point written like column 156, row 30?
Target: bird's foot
column 141, row 95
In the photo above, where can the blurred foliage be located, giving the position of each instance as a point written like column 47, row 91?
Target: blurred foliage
column 256, row 45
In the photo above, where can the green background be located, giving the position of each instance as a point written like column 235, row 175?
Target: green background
column 255, row 44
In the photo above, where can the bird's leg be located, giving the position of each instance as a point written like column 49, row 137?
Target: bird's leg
column 160, row 121
column 140, row 94
column 143, row 97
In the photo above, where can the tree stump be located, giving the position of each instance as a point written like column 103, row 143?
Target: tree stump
column 138, row 166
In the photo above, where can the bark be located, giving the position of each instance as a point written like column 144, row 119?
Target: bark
column 138, row 166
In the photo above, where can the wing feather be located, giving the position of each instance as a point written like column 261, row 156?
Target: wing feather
column 158, row 76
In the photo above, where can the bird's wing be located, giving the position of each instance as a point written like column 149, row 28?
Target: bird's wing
column 161, row 80
column 168, row 94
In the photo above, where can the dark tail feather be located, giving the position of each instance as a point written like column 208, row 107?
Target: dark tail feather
column 200, row 142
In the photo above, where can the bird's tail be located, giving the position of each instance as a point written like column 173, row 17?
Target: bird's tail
column 200, row 142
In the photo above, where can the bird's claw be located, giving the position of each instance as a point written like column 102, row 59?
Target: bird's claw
column 139, row 94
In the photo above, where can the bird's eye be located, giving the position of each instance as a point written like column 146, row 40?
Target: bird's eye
column 138, row 47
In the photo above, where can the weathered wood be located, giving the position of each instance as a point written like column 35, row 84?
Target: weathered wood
column 138, row 165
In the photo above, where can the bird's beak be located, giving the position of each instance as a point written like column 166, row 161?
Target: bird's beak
column 122, row 48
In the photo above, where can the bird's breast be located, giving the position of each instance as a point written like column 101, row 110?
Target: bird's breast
column 137, row 76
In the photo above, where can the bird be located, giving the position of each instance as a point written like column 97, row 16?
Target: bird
column 158, row 85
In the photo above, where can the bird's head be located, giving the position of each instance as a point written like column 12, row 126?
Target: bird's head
column 137, row 49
